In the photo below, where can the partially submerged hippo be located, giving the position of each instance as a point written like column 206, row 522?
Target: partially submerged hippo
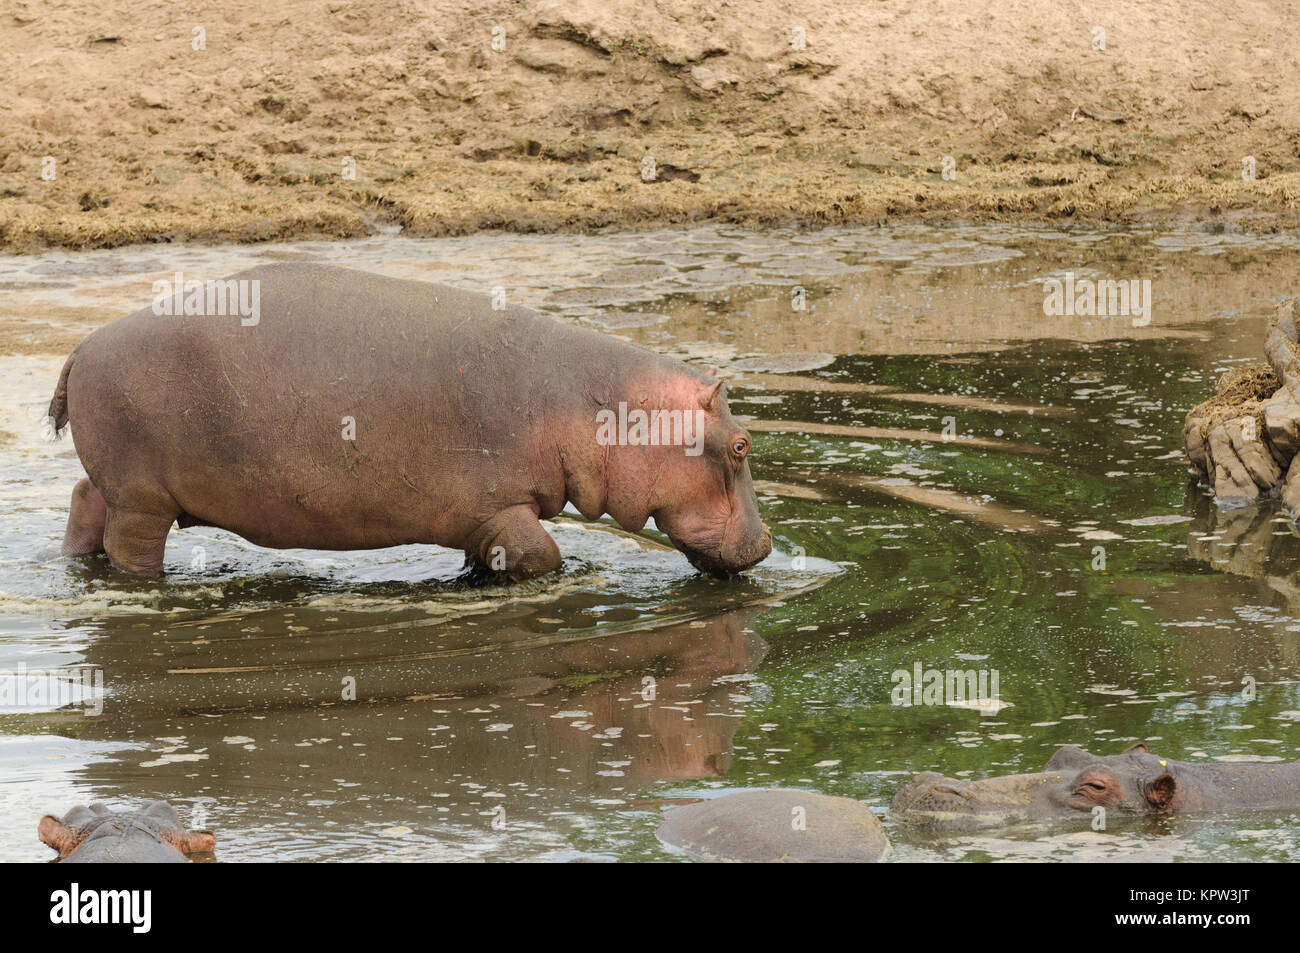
column 355, row 411
column 96, row 835
column 1075, row 782
column 777, row 826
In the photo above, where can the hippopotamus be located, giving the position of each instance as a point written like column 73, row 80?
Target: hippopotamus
column 777, row 826
column 1075, row 782
column 346, row 410
column 95, row 835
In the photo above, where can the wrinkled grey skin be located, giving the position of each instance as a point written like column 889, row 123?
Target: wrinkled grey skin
column 96, row 835
column 777, row 826
column 1075, row 782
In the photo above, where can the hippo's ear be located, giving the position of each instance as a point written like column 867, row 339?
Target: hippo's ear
column 1160, row 793
column 197, row 842
column 1065, row 756
column 1137, row 748
column 163, row 812
column 709, row 396
column 54, row 833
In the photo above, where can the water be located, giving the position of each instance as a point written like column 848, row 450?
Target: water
column 1055, row 539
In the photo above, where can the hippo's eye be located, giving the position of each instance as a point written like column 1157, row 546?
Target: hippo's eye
column 740, row 447
column 1091, row 786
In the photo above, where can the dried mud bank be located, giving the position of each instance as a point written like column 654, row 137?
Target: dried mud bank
column 314, row 118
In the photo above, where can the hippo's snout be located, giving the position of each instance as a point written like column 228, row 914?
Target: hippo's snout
column 753, row 548
column 759, row 551
column 933, row 800
column 930, row 791
column 746, row 540
column 709, row 509
column 732, row 558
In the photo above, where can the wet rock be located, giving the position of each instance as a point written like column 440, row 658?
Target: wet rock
column 1244, row 440
column 1291, row 491
column 1282, row 424
column 777, row 826
column 1234, row 478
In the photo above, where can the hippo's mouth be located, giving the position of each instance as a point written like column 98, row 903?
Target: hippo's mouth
column 718, row 563
column 943, row 810
column 710, row 564
column 959, row 820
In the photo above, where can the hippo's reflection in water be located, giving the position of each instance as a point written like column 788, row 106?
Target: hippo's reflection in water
column 516, row 730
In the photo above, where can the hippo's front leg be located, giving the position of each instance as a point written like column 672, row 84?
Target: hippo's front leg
column 514, row 543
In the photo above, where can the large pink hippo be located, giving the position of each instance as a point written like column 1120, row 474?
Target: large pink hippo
column 354, row 411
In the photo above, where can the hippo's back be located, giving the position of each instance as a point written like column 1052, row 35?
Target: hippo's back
column 127, row 849
column 307, row 326
column 777, row 826
column 321, row 407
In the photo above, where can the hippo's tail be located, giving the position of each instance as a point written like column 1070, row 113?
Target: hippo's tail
column 58, row 413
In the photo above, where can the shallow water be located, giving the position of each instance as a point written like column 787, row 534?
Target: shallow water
column 555, row 719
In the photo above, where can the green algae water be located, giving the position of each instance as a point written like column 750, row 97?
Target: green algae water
column 955, row 481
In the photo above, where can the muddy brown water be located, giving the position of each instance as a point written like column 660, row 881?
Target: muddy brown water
column 952, row 477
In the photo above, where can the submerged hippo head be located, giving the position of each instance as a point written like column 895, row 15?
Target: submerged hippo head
column 152, row 835
column 1072, row 784
column 702, row 495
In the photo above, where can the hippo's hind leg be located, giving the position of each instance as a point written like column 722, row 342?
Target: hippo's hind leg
column 135, row 531
column 85, row 532
column 514, row 543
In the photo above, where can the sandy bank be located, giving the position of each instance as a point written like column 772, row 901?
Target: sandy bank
column 249, row 138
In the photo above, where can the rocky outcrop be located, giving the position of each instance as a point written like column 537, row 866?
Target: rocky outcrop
column 1244, row 439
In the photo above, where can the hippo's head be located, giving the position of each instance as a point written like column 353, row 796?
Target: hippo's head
column 703, row 496
column 153, row 834
column 1072, row 784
